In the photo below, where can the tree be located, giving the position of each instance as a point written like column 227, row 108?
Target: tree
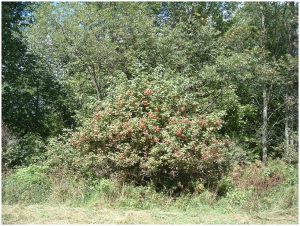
column 107, row 38
column 34, row 100
column 262, row 26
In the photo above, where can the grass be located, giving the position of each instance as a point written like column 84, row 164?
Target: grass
column 62, row 214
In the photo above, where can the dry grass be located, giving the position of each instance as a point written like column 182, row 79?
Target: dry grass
column 44, row 214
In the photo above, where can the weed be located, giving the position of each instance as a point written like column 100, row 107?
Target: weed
column 27, row 185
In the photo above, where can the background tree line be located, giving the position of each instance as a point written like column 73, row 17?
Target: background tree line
column 61, row 62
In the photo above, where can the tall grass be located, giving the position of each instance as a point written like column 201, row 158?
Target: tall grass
column 35, row 184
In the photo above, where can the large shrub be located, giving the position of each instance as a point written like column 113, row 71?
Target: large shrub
column 152, row 129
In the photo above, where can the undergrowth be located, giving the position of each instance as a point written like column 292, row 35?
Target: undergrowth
column 251, row 188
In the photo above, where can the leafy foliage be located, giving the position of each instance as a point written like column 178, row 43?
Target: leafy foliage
column 34, row 100
column 28, row 150
column 124, row 100
column 150, row 130
column 27, row 185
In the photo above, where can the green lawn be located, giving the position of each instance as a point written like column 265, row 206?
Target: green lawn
column 62, row 214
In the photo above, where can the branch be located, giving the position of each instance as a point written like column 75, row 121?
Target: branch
column 213, row 101
column 93, row 75
column 282, row 105
column 276, row 123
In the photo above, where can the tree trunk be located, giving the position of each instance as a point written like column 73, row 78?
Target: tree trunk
column 265, row 124
column 264, row 137
column 37, row 102
column 96, row 84
column 98, row 89
column 291, row 126
column 287, row 128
